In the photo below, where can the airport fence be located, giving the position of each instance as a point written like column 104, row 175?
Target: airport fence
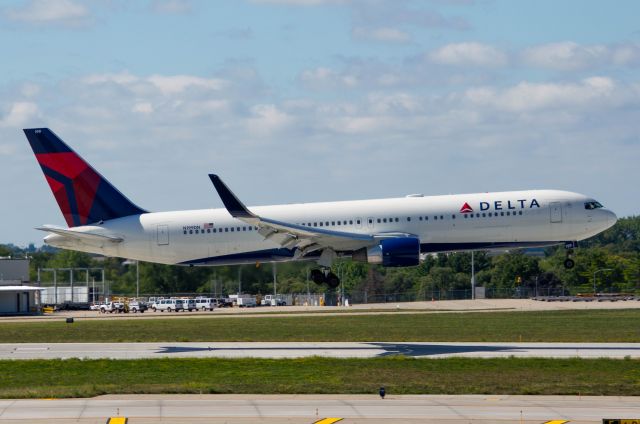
column 435, row 295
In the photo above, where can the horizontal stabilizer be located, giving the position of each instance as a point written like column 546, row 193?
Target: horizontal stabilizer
column 80, row 235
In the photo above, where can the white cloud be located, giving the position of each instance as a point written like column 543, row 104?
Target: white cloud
column 300, row 2
column 166, row 84
column 469, row 54
column 144, row 108
column 565, row 55
column 64, row 12
column 19, row 114
column 527, row 96
column 326, row 78
column 571, row 56
column 384, row 34
column 171, row 6
column 178, row 83
column 266, row 119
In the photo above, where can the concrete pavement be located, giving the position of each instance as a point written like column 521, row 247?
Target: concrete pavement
column 309, row 408
column 306, row 349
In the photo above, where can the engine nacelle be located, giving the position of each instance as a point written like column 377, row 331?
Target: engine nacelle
column 391, row 252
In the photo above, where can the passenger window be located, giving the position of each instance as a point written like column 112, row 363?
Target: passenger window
column 190, row 231
column 453, row 217
column 435, row 217
column 327, row 223
column 441, row 216
column 384, row 220
column 520, row 213
column 321, row 224
column 397, row 219
column 408, row 219
column 197, row 231
column 420, row 218
column 185, row 232
column 333, row 222
column 378, row 220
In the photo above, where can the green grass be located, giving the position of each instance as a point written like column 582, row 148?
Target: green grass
column 400, row 375
column 548, row 326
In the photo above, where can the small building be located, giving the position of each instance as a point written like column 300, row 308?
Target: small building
column 19, row 300
column 17, row 297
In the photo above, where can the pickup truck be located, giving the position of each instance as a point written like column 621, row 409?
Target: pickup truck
column 111, row 307
column 271, row 300
column 137, row 306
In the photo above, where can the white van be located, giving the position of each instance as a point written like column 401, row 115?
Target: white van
column 189, row 305
column 205, row 304
column 168, row 305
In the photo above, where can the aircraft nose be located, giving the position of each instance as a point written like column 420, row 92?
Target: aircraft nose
column 611, row 218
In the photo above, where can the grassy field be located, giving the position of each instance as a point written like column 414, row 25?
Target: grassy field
column 86, row 378
column 548, row 326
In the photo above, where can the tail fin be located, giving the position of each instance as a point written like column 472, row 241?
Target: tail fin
column 84, row 196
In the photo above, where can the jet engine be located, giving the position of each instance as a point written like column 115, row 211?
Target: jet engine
column 391, row 252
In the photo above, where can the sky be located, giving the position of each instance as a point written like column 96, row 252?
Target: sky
column 317, row 100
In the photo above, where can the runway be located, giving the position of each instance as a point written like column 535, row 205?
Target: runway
column 310, row 408
column 326, row 349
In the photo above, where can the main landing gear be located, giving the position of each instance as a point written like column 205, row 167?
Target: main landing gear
column 568, row 262
column 325, row 276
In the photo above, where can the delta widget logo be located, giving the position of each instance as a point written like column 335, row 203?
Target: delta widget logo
column 466, row 208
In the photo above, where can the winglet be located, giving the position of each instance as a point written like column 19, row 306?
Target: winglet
column 235, row 207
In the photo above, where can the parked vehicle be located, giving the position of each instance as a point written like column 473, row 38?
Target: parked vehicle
column 271, row 300
column 246, row 302
column 204, row 304
column 168, row 305
column 137, row 306
column 189, row 305
column 112, row 307
column 223, row 302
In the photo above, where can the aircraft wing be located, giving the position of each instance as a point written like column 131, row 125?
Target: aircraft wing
column 293, row 236
column 80, row 235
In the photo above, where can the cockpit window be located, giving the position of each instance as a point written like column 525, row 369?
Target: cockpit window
column 592, row 205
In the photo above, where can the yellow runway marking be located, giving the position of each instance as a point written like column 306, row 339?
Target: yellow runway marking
column 556, row 422
column 328, row 421
column 117, row 420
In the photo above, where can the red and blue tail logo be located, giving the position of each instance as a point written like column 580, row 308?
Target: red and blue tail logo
column 84, row 196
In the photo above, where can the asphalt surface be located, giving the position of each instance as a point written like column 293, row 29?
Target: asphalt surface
column 306, row 349
column 310, row 408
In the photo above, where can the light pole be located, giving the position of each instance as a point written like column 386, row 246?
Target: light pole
column 131, row 262
column 473, row 277
column 594, row 278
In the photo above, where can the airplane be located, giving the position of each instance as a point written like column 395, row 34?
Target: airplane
column 395, row 232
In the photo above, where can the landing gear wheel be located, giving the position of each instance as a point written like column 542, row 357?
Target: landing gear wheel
column 332, row 280
column 569, row 263
column 317, row 276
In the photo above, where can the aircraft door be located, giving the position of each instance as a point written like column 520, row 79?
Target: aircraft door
column 163, row 235
column 555, row 208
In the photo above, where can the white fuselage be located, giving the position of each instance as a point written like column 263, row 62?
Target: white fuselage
column 442, row 223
